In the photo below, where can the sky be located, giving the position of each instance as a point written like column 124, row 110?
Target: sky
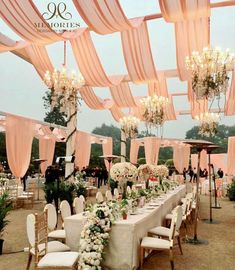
column 21, row 89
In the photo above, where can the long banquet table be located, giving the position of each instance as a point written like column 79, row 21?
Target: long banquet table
column 125, row 237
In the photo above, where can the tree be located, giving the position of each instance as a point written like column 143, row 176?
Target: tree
column 220, row 138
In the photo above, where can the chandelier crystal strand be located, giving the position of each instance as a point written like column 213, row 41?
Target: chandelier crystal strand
column 154, row 110
column 129, row 125
column 208, row 123
column 210, row 72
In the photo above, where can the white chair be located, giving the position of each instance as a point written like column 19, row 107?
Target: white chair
column 128, row 189
column 83, row 199
column 99, row 197
column 78, row 205
column 53, row 260
column 108, row 195
column 52, row 246
column 116, row 193
column 152, row 243
column 65, row 209
column 52, row 222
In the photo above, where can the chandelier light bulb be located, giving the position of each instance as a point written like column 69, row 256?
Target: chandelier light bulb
column 129, row 125
column 208, row 123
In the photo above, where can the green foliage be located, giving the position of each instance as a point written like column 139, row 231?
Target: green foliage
column 80, row 189
column 141, row 161
column 5, row 207
column 169, row 163
column 231, row 191
column 221, row 137
column 66, row 191
column 51, row 192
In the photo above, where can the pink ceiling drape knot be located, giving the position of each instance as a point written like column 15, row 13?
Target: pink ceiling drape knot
column 134, row 150
column 89, row 62
column 231, row 156
column 83, row 149
column 107, row 150
column 191, row 27
column 24, row 19
column 151, row 148
column 105, row 17
column 19, row 137
column 138, row 55
column 181, row 154
column 46, row 152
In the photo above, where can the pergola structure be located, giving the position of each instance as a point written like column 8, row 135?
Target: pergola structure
column 192, row 31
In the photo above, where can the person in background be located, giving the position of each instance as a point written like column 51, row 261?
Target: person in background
column 190, row 173
column 205, row 173
column 194, row 174
column 23, row 179
column 220, row 173
column 184, row 174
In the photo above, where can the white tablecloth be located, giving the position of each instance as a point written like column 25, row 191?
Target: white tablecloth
column 125, row 237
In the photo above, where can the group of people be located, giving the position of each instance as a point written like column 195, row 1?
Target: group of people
column 100, row 173
column 192, row 172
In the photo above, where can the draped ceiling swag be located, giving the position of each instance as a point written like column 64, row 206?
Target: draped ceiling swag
column 192, row 32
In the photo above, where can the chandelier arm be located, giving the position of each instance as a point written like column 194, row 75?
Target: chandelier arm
column 65, row 56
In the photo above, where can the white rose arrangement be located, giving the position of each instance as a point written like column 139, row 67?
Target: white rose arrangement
column 123, row 171
column 160, row 170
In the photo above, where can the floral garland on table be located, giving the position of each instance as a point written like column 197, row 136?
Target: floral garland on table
column 95, row 234
column 123, row 171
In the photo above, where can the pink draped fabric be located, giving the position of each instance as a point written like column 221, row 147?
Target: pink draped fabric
column 19, row 137
column 231, row 156
column 93, row 101
column 40, row 59
column 230, row 101
column 83, row 149
column 219, row 161
column 151, row 148
column 138, row 55
column 46, row 152
column 89, row 62
column 6, row 44
column 104, row 17
column 22, row 16
column 181, row 155
column 191, row 27
column 116, row 112
column 198, row 107
column 122, row 95
column 203, row 160
column 108, row 150
column 134, row 150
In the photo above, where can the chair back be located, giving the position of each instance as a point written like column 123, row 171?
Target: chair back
column 78, row 205
column 83, row 199
column 134, row 188
column 30, row 229
column 128, row 189
column 52, row 216
column 41, row 235
column 177, row 214
column 65, row 209
column 116, row 193
column 99, row 197
column 108, row 195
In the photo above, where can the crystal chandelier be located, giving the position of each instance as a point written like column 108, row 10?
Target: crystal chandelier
column 64, row 86
column 154, row 109
column 210, row 72
column 208, row 123
column 129, row 125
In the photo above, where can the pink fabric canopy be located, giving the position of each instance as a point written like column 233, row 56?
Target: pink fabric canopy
column 107, row 150
column 104, row 17
column 138, row 55
column 134, row 150
column 122, row 95
column 231, row 156
column 219, row 161
column 203, row 160
column 46, row 152
column 83, row 149
column 181, row 153
column 22, row 16
column 89, row 62
column 19, row 137
column 151, row 147
column 230, row 104
column 191, row 27
column 6, row 46
column 198, row 107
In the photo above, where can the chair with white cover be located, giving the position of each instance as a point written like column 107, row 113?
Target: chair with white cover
column 116, row 193
column 78, row 205
column 83, row 199
column 65, row 210
column 99, row 197
column 128, row 189
column 52, row 246
column 52, row 222
column 67, row 260
column 152, row 243
column 108, row 195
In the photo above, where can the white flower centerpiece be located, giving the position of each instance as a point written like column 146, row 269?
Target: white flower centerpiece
column 123, row 172
column 160, row 171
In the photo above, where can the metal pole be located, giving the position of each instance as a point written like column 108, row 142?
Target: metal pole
column 197, row 194
column 123, row 146
column 210, row 199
